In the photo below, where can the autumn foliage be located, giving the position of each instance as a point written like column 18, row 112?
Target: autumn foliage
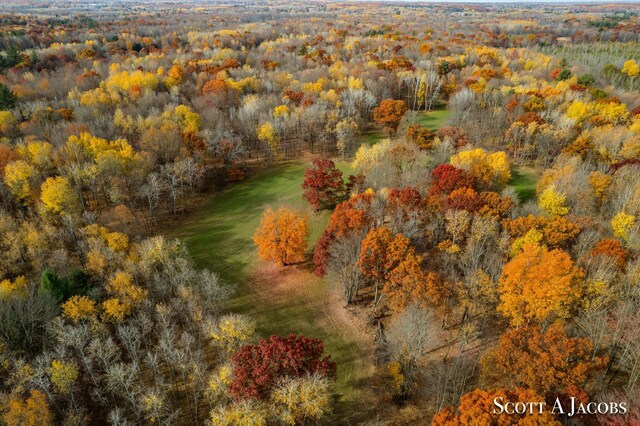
column 323, row 185
column 539, row 285
column 33, row 411
column 448, row 178
column 478, row 408
column 257, row 368
column 389, row 113
column 350, row 216
column 546, row 361
column 282, row 236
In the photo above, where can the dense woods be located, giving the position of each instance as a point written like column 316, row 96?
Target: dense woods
column 465, row 193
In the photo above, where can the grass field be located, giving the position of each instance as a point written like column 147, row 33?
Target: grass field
column 433, row 119
column 524, row 179
column 294, row 300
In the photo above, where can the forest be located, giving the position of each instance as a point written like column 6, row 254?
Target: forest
column 254, row 213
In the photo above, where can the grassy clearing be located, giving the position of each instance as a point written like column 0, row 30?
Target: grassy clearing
column 373, row 136
column 523, row 180
column 293, row 300
column 219, row 237
column 433, row 119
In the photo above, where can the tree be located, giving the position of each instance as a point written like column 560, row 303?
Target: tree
column 300, row 400
column 487, row 169
column 463, row 199
column 346, row 133
column 24, row 320
column 125, row 296
column 282, row 236
column 323, row 185
column 19, row 176
column 7, row 123
column 410, row 336
column 539, row 285
column 557, row 231
column 389, row 114
column 409, row 283
column 62, row 288
column 343, row 255
column 58, row 196
column 258, row 368
column 175, row 76
column 405, row 201
column 495, row 206
column 478, row 408
column 63, row 376
column 34, row 411
column 421, row 136
column 631, row 68
column 267, row 134
column 380, row 253
column 611, row 249
column 349, row 218
column 242, row 413
column 548, row 362
column 79, row 308
column 622, row 224
column 447, row 178
column 232, row 331
column 553, row 202
column 17, row 287
column 7, row 98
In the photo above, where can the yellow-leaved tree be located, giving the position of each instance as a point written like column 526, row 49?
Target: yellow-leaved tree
column 487, row 168
column 79, row 308
column 622, row 223
column 126, row 296
column 245, row 412
column 19, row 176
column 631, row 68
column 267, row 134
column 298, row 400
column 63, row 376
column 58, row 196
column 553, row 202
column 18, row 287
column 231, row 331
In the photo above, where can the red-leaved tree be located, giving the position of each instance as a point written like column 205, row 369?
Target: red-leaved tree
column 448, row 178
column 323, row 185
column 257, row 368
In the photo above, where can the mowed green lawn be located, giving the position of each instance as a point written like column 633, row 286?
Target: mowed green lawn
column 433, row 119
column 219, row 237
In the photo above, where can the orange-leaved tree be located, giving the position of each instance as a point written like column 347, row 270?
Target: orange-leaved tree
column 282, row 236
column 479, row 407
column 380, row 253
column 548, row 362
column 408, row 282
column 34, row 411
column 389, row 113
column 539, row 285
